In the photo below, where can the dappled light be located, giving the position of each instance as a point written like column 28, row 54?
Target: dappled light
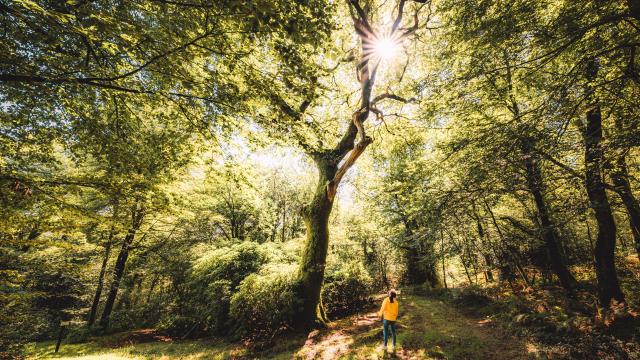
column 320, row 179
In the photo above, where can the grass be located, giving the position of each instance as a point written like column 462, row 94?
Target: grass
column 428, row 328
column 95, row 349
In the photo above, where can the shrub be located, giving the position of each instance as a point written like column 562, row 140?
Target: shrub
column 232, row 263
column 77, row 334
column 473, row 296
column 208, row 310
column 346, row 289
column 203, row 306
column 265, row 303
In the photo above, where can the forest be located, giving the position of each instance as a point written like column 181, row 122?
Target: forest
column 229, row 179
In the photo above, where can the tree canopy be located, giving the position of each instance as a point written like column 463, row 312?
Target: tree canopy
column 286, row 159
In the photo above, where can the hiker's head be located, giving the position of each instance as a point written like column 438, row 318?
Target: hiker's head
column 392, row 294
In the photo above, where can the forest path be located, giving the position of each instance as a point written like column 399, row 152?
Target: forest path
column 428, row 328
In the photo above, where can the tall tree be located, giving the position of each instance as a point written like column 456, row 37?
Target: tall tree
column 93, row 313
column 608, row 285
column 333, row 163
column 136, row 214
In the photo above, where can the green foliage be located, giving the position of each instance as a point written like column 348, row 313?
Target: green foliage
column 472, row 296
column 346, row 289
column 51, row 289
column 230, row 264
column 202, row 120
column 77, row 334
column 203, row 307
column 265, row 303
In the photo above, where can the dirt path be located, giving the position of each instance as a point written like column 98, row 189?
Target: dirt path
column 427, row 329
column 340, row 338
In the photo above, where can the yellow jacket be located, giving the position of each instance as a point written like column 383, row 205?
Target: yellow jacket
column 389, row 310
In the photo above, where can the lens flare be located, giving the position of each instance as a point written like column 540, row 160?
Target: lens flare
column 386, row 48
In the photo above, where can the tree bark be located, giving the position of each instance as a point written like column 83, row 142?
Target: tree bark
column 284, row 220
column 608, row 285
column 333, row 164
column 59, row 340
column 535, row 184
column 314, row 256
column 484, row 239
column 620, row 177
column 461, row 254
column 507, row 249
column 137, row 214
column 103, row 269
column 415, row 274
column 444, row 269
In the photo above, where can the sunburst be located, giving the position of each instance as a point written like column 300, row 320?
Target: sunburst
column 382, row 47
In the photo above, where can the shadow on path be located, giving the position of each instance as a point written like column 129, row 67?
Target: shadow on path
column 428, row 328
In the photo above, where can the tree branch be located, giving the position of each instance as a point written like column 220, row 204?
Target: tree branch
column 390, row 96
column 398, row 20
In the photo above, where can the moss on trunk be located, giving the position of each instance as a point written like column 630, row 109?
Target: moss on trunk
column 314, row 257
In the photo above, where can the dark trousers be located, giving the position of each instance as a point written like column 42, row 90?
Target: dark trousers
column 385, row 331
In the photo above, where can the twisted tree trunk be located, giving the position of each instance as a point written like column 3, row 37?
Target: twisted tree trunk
column 314, row 256
column 334, row 163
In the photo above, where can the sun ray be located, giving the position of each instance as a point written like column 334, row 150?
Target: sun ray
column 382, row 47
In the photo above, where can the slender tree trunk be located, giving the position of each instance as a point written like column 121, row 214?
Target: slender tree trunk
column 472, row 259
column 608, row 285
column 415, row 272
column 151, row 288
column 133, row 295
column 466, row 269
column 535, row 184
column 514, row 257
column 274, row 230
column 284, row 220
column 488, row 275
column 314, row 256
column 460, row 250
column 444, row 273
column 103, row 268
column 60, row 337
column 620, row 177
column 548, row 231
column 382, row 263
column 118, row 271
column 137, row 213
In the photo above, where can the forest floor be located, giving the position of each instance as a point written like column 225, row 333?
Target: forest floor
column 428, row 328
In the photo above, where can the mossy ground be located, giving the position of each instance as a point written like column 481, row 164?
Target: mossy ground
column 428, row 328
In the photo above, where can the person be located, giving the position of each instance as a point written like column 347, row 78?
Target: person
column 389, row 313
